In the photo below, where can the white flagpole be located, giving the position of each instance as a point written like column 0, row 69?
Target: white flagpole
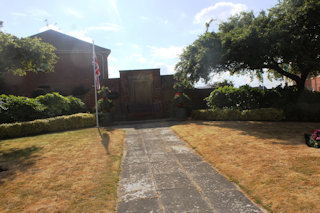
column 95, row 82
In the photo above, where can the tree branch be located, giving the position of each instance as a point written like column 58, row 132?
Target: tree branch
column 279, row 70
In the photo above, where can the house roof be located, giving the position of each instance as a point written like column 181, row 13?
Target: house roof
column 68, row 44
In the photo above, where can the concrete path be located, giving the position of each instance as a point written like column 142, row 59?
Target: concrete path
column 160, row 174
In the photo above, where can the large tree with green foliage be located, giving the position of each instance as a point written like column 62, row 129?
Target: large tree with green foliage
column 285, row 42
column 21, row 55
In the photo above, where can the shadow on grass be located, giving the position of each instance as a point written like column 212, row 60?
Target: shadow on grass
column 288, row 133
column 16, row 160
column 146, row 124
column 105, row 139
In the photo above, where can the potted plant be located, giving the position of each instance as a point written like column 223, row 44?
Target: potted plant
column 181, row 101
column 105, row 104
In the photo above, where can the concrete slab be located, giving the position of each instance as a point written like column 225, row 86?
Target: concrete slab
column 134, row 159
column 160, row 157
column 140, row 206
column 232, row 201
column 188, row 158
column 199, row 167
column 167, row 167
column 134, row 169
column 182, row 200
column 172, row 181
column 213, row 182
column 136, row 189
column 161, row 174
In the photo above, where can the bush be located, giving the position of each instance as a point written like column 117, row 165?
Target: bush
column 57, row 104
column 39, row 126
column 222, row 97
column 75, row 105
column 20, row 109
column 247, row 97
column 232, row 114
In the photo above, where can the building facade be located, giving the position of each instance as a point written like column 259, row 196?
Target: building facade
column 73, row 71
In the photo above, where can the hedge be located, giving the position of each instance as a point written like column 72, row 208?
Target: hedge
column 232, row 114
column 40, row 126
column 246, row 97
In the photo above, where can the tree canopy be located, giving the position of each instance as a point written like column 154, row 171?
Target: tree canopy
column 285, row 42
column 21, row 55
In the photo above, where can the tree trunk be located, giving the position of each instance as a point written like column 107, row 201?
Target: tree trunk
column 301, row 82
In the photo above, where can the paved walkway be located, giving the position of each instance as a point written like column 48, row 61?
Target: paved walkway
column 160, row 174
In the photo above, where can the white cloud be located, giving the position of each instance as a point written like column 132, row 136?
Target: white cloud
column 18, row 14
column 165, row 69
column 50, row 27
column 82, row 35
column 171, row 52
column 220, row 11
column 138, row 57
column 106, row 27
column 144, row 18
column 38, row 13
column 74, row 13
column 136, row 46
column 110, row 58
column 113, row 72
column 119, row 44
column 115, row 8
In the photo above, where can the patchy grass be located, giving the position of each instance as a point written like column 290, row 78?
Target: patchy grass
column 73, row 171
column 268, row 160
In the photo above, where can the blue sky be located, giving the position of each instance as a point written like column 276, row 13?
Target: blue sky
column 140, row 33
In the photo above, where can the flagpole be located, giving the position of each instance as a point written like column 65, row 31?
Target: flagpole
column 95, row 83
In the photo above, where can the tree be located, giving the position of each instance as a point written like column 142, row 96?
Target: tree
column 20, row 55
column 285, row 42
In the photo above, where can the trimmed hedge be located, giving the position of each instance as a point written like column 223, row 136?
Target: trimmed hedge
column 40, row 126
column 232, row 114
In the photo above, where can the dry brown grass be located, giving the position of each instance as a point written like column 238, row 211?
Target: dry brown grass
column 269, row 161
column 62, row 172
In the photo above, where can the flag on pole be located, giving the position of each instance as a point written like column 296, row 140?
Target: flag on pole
column 96, row 74
column 96, row 69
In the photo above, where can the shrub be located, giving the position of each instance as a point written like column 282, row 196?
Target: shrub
column 247, row 97
column 57, row 104
column 302, row 112
column 20, row 109
column 232, row 114
column 39, row 126
column 75, row 105
column 222, row 97
column 262, row 114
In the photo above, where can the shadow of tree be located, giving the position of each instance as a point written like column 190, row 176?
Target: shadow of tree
column 16, row 160
column 285, row 133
